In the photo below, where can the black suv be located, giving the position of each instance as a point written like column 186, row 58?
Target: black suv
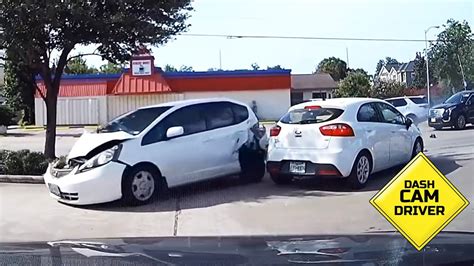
column 456, row 111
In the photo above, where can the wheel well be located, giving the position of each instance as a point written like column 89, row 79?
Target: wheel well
column 367, row 152
column 420, row 139
column 146, row 164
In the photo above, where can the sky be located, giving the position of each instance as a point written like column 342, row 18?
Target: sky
column 402, row 19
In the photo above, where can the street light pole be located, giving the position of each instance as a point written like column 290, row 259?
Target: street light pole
column 427, row 64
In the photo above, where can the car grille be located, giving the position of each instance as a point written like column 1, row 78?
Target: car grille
column 69, row 196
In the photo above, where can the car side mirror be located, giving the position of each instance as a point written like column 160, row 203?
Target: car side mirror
column 408, row 122
column 173, row 132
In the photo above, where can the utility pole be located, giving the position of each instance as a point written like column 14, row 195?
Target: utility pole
column 427, row 65
column 462, row 73
column 347, row 57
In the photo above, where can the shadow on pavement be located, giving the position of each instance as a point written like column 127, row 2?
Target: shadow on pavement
column 18, row 134
column 231, row 190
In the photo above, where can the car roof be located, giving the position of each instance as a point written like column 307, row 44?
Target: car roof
column 336, row 102
column 183, row 103
column 403, row 97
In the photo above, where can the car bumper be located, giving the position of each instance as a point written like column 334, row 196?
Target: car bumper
column 318, row 162
column 98, row 185
column 439, row 122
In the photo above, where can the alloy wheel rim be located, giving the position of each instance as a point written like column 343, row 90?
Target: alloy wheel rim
column 418, row 148
column 143, row 185
column 363, row 168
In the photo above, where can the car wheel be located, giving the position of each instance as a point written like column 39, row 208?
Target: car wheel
column 252, row 164
column 460, row 122
column 417, row 147
column 360, row 171
column 140, row 185
column 281, row 179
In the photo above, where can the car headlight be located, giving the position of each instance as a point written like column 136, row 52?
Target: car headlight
column 101, row 158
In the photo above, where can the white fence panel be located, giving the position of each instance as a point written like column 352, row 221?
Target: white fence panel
column 120, row 104
column 71, row 111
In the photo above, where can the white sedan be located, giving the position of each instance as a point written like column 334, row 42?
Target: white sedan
column 142, row 153
column 341, row 138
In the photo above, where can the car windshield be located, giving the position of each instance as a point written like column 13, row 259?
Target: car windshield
column 311, row 115
column 459, row 97
column 134, row 122
column 419, row 100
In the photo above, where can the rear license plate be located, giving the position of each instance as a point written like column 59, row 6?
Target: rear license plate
column 433, row 120
column 54, row 189
column 297, row 167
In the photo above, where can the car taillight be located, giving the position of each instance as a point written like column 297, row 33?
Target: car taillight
column 312, row 107
column 337, row 130
column 274, row 131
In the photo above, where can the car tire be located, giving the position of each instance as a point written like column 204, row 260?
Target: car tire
column 417, row 147
column 360, row 171
column 252, row 164
column 140, row 185
column 460, row 122
column 281, row 179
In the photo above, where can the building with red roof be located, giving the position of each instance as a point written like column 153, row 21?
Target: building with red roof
column 97, row 98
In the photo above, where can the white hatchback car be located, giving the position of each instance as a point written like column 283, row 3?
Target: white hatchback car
column 414, row 107
column 139, row 154
column 340, row 138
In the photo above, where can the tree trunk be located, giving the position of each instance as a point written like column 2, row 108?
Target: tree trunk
column 51, row 110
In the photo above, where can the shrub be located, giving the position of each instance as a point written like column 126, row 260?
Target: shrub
column 22, row 162
column 6, row 116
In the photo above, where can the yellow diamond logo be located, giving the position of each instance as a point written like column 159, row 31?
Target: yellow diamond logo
column 420, row 201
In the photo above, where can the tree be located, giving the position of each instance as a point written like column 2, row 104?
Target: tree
column 277, row 67
column 79, row 66
column 19, row 88
column 453, row 48
column 184, row 68
column 356, row 84
column 111, row 68
column 44, row 33
column 385, row 90
column 255, row 66
column 170, row 68
column 420, row 72
column 336, row 67
column 391, row 61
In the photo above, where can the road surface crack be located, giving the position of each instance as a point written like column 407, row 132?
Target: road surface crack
column 176, row 217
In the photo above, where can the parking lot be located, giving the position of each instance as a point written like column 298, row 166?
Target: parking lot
column 224, row 206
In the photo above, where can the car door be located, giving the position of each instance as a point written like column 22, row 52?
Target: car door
column 374, row 135
column 227, row 133
column 182, row 159
column 400, row 138
column 470, row 109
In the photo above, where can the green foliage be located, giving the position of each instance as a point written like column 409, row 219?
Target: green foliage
column 453, row 47
column 356, row 84
column 111, row 68
column 385, row 90
column 277, row 67
column 79, row 65
column 22, row 162
column 183, row 68
column 6, row 116
column 336, row 67
column 170, row 68
column 255, row 66
column 186, row 69
column 420, row 72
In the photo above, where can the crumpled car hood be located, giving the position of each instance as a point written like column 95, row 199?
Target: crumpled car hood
column 89, row 141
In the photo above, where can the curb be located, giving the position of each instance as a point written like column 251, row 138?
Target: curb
column 24, row 179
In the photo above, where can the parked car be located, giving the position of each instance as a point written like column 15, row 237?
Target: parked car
column 340, row 138
column 146, row 151
column 414, row 107
column 456, row 111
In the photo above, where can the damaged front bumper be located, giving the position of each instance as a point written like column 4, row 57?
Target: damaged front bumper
column 97, row 185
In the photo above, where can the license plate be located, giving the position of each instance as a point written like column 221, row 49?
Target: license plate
column 297, row 167
column 54, row 189
column 433, row 120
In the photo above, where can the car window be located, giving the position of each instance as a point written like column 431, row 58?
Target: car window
column 397, row 102
column 311, row 115
column 390, row 114
column 460, row 97
column 218, row 115
column 134, row 122
column 190, row 118
column 367, row 113
column 419, row 100
column 240, row 113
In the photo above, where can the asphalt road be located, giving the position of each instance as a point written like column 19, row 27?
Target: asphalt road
column 225, row 207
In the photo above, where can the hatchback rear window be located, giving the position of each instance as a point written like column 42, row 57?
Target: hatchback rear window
column 311, row 116
column 419, row 100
